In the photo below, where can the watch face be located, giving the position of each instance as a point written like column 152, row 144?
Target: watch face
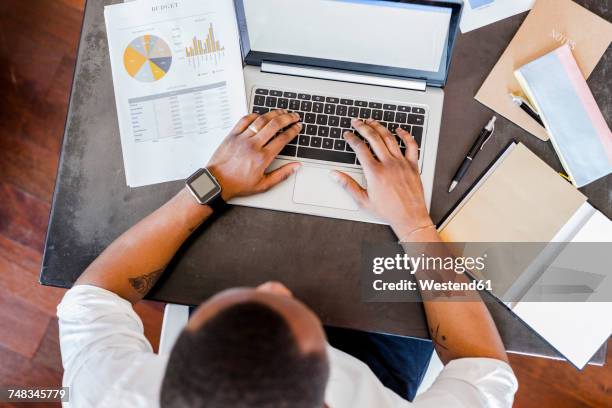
column 203, row 185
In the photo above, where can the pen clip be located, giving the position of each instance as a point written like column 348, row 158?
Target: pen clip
column 488, row 137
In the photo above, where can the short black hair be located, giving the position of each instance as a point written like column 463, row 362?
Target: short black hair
column 245, row 356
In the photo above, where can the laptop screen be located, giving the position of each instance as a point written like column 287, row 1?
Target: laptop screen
column 402, row 35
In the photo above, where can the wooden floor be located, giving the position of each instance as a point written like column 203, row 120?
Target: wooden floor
column 38, row 41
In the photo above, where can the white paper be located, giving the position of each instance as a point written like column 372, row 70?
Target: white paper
column 576, row 329
column 479, row 13
column 176, row 99
column 400, row 35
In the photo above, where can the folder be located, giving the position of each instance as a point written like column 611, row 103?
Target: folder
column 550, row 24
column 520, row 199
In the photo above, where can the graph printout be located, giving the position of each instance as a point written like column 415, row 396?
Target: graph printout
column 179, row 87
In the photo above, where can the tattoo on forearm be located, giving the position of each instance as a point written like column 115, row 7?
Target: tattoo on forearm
column 438, row 338
column 142, row 284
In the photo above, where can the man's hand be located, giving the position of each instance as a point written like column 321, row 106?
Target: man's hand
column 394, row 190
column 239, row 164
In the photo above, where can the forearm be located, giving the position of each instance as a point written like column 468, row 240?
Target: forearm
column 458, row 327
column 132, row 264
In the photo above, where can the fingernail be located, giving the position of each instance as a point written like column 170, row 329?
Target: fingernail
column 299, row 124
column 355, row 121
column 297, row 167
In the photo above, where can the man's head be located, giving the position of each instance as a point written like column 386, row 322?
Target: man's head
column 249, row 348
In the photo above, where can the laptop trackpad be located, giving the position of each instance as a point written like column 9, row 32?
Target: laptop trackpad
column 315, row 186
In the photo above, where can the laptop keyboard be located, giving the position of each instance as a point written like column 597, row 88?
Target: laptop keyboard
column 326, row 118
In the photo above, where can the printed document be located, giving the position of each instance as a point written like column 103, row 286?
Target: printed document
column 479, row 13
column 179, row 87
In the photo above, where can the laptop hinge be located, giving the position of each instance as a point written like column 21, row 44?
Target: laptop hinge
column 344, row 76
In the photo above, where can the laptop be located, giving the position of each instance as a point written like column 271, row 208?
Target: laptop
column 335, row 60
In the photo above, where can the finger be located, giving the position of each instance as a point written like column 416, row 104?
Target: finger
column 260, row 123
column 275, row 125
column 278, row 143
column 387, row 137
column 352, row 187
column 360, row 148
column 380, row 149
column 412, row 148
column 244, row 123
column 273, row 178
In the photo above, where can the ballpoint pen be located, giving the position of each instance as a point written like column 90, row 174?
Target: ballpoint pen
column 480, row 141
column 525, row 106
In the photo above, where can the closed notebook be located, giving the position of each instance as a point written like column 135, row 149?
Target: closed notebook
column 520, row 199
column 576, row 126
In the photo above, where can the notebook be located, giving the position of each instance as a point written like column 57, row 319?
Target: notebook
column 520, row 199
column 577, row 129
column 550, row 24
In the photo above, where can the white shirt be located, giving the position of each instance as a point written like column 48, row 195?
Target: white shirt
column 108, row 362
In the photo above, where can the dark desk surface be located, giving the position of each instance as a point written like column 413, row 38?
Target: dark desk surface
column 317, row 258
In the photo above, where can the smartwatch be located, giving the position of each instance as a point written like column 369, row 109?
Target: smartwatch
column 205, row 188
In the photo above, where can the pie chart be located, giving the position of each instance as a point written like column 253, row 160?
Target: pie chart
column 147, row 58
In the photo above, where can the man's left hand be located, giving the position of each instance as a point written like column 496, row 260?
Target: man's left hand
column 239, row 164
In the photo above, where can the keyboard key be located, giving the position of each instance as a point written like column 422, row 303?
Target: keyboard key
column 276, row 93
column 303, row 130
column 365, row 113
column 318, row 98
column 333, row 121
column 418, row 110
column 339, row 145
column 289, row 151
column 346, row 101
column 326, row 155
column 375, row 105
column 387, row 106
column 259, row 100
column 310, row 118
column 332, row 100
column 345, row 122
column 377, row 114
column 290, row 95
column 353, row 112
column 323, row 131
column 341, row 110
column 328, row 143
column 283, row 103
column 301, row 116
column 260, row 110
column 401, row 117
column 392, row 127
column 304, row 97
column 304, row 140
column 271, row 102
column 416, row 119
column 261, row 91
column 306, row 106
column 362, row 104
column 406, row 128
column 403, row 108
column 349, row 148
column 315, row 141
column 389, row 116
column 330, row 109
column 294, row 104
column 294, row 141
column 335, row 133
column 311, row 130
column 317, row 107
column 343, row 131
column 417, row 133
column 321, row 119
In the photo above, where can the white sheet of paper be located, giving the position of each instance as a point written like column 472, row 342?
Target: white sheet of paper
column 576, row 330
column 179, row 87
column 479, row 13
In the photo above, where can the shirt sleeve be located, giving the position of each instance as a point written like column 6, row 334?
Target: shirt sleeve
column 104, row 349
column 471, row 382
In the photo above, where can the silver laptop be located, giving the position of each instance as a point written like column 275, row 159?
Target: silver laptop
column 335, row 60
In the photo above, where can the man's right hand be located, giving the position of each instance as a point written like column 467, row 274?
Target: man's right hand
column 394, row 190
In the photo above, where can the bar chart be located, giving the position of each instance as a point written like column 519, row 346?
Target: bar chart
column 208, row 50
